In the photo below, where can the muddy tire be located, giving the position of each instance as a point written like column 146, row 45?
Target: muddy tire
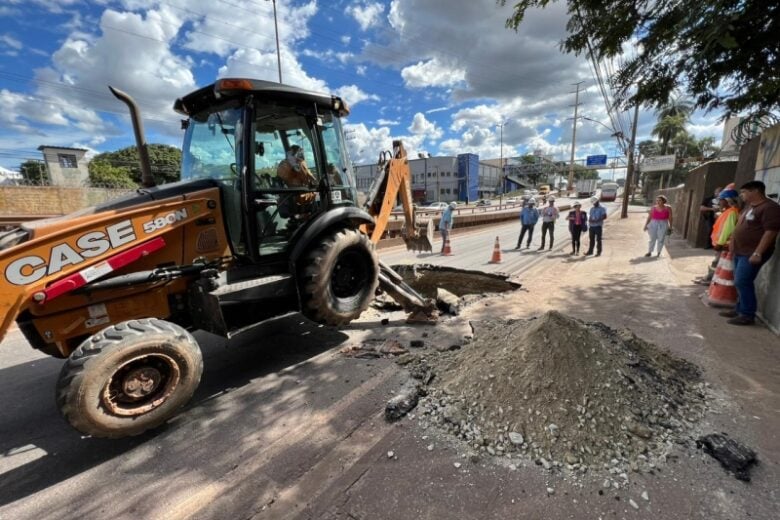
column 129, row 378
column 339, row 278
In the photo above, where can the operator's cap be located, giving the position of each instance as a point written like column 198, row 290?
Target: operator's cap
column 577, row 203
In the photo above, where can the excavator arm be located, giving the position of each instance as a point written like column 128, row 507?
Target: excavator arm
column 393, row 181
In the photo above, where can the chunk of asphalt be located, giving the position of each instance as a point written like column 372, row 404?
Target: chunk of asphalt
column 403, row 402
column 735, row 457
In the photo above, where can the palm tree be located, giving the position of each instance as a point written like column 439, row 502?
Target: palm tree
column 668, row 128
column 674, row 107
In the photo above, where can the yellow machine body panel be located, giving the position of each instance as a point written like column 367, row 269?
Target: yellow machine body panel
column 39, row 276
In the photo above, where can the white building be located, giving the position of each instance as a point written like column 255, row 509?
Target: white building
column 443, row 178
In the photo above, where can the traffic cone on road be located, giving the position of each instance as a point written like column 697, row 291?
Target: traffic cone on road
column 496, row 259
column 722, row 292
column 447, row 251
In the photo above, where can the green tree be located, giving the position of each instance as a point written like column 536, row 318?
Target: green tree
column 34, row 172
column 723, row 53
column 668, row 128
column 165, row 162
column 102, row 174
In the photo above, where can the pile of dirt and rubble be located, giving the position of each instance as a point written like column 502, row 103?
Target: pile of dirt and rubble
column 564, row 393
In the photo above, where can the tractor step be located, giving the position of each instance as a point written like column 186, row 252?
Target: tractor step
column 257, row 288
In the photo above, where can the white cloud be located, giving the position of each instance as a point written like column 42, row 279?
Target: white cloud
column 353, row 95
column 423, row 127
column 329, row 56
column 360, row 70
column 262, row 65
column 367, row 14
column 387, row 122
column 11, row 42
column 432, row 73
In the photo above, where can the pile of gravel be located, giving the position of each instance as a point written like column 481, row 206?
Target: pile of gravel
column 566, row 393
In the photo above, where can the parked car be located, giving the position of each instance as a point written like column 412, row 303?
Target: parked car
column 484, row 202
column 511, row 200
column 437, row 206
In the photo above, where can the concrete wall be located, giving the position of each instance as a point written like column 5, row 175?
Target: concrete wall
column 767, row 170
column 746, row 167
column 51, row 200
column 685, row 201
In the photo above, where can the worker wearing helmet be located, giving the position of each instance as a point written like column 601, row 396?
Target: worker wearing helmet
column 596, row 217
column 549, row 216
column 445, row 224
column 578, row 222
column 529, row 216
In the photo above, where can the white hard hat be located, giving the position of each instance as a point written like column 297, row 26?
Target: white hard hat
column 594, row 199
column 576, row 203
column 453, row 204
column 531, row 201
column 551, row 198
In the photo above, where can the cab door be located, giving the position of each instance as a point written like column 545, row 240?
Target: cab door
column 286, row 183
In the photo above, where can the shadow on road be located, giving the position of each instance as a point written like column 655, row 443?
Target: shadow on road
column 30, row 424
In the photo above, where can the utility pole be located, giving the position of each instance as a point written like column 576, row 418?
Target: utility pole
column 438, row 191
column 501, row 166
column 574, row 135
column 468, row 172
column 278, row 55
column 630, row 168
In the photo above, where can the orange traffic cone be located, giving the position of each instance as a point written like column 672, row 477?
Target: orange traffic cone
column 496, row 259
column 447, row 251
column 722, row 292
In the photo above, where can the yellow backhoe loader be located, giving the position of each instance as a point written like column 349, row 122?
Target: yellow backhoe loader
column 265, row 221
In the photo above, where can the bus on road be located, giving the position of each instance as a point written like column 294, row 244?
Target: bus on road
column 609, row 191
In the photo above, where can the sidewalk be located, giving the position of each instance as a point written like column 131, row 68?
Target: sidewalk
column 655, row 297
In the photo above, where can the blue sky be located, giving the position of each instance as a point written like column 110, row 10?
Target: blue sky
column 441, row 75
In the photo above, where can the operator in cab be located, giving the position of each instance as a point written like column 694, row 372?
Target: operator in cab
column 295, row 173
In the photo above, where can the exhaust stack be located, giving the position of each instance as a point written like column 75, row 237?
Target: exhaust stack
column 147, row 181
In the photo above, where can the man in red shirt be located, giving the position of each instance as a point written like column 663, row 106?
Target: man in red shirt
column 752, row 244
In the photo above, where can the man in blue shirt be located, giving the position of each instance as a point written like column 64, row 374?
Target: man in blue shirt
column 529, row 216
column 445, row 224
column 596, row 218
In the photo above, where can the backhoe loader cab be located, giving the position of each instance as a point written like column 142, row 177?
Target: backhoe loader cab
column 263, row 222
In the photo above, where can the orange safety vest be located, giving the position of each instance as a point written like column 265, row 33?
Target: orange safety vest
column 718, row 225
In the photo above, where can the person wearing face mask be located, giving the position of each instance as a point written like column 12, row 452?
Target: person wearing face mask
column 295, row 173
column 596, row 217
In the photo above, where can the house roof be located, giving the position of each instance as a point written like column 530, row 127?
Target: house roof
column 44, row 146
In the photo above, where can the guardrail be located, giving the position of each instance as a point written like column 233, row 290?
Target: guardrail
column 463, row 217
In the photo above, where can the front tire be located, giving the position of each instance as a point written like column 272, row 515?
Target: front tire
column 129, row 378
column 340, row 278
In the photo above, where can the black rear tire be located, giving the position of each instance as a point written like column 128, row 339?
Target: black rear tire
column 339, row 278
column 129, row 378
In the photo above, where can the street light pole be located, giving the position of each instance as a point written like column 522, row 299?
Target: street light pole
column 501, row 166
column 278, row 54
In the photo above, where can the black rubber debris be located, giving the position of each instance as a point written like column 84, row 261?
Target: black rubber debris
column 733, row 456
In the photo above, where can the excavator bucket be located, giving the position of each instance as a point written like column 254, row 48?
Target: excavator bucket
column 422, row 239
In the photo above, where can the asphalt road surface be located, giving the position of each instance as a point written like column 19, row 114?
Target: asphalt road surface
column 272, row 405
column 472, row 248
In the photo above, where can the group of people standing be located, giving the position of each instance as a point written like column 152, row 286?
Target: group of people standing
column 743, row 234
column 579, row 222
